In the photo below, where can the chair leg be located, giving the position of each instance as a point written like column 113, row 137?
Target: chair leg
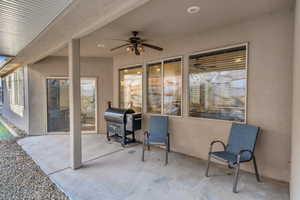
column 256, row 170
column 169, row 143
column 143, row 152
column 167, row 158
column 107, row 136
column 236, row 177
column 208, row 165
column 167, row 149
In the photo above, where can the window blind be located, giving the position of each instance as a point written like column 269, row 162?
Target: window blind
column 228, row 59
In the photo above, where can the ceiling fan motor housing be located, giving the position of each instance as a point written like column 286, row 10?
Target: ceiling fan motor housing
column 136, row 44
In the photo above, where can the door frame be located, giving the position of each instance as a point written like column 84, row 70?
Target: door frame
column 46, row 105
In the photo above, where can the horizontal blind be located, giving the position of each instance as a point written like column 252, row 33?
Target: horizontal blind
column 221, row 60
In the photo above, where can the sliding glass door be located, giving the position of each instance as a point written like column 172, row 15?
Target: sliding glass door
column 58, row 105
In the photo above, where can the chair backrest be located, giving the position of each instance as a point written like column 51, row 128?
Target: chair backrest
column 158, row 128
column 242, row 136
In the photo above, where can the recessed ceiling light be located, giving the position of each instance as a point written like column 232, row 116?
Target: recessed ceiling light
column 193, row 9
column 100, row 45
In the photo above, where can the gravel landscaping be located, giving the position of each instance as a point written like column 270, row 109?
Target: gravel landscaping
column 21, row 178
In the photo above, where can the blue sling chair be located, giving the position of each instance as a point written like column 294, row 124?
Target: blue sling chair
column 240, row 148
column 157, row 135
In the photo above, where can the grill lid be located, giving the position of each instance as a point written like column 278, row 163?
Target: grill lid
column 117, row 114
column 119, row 111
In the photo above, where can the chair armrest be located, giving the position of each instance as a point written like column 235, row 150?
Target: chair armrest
column 243, row 151
column 214, row 142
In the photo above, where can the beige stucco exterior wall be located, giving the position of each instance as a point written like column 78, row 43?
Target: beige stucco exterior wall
column 19, row 121
column 270, row 40
column 295, row 161
column 100, row 68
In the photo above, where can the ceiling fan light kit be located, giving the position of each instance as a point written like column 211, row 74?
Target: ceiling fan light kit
column 136, row 44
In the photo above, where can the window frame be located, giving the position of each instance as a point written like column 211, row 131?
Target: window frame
column 2, row 91
column 119, row 82
column 161, row 61
column 246, row 44
column 16, row 96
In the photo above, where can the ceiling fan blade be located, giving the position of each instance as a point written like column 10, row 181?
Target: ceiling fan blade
column 124, row 45
column 152, row 46
column 120, row 40
column 144, row 40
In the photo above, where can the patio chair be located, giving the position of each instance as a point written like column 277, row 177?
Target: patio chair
column 240, row 148
column 157, row 135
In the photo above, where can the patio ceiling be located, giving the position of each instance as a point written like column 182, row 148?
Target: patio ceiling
column 78, row 19
column 21, row 21
column 99, row 21
column 161, row 21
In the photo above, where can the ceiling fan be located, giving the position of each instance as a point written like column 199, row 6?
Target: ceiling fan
column 136, row 44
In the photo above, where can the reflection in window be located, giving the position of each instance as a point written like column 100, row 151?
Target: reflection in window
column 131, row 82
column 172, row 87
column 15, row 91
column 88, row 104
column 58, row 108
column 154, row 88
column 164, row 84
column 58, row 105
column 217, row 84
column 2, row 91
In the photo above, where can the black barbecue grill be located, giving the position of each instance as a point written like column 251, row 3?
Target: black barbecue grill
column 121, row 123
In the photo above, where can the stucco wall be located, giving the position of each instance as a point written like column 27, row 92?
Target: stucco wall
column 19, row 121
column 269, row 89
column 295, row 162
column 100, row 68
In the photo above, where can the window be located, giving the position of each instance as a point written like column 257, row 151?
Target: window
column 1, row 91
column 131, row 84
column 218, row 84
column 164, row 87
column 15, row 90
column 172, row 87
column 154, row 88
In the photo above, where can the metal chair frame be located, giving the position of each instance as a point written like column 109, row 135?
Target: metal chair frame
column 236, row 165
column 147, row 143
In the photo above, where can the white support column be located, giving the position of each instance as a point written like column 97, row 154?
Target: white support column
column 74, row 98
column 295, row 158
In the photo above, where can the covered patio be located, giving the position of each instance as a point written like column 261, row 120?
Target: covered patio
column 112, row 172
column 203, row 65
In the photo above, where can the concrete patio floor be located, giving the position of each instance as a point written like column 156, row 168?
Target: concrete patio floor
column 111, row 172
